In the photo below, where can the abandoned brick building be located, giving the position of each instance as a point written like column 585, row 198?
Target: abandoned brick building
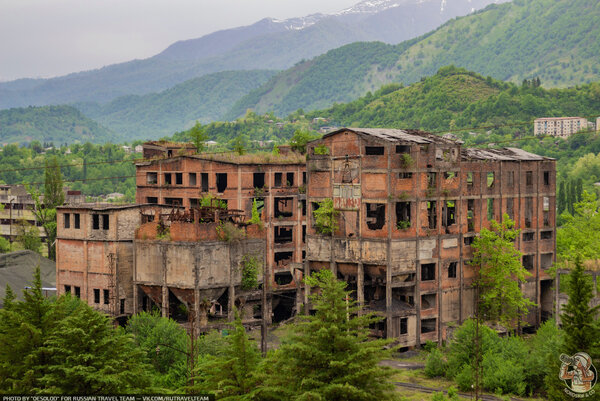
column 94, row 254
column 187, row 265
column 410, row 204
column 276, row 183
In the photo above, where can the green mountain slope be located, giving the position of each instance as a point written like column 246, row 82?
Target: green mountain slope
column 551, row 39
column 58, row 124
column 153, row 115
column 459, row 100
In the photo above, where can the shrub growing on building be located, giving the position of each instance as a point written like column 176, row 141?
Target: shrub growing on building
column 326, row 217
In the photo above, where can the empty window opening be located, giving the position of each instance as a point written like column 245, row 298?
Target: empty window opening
column 258, row 180
column 283, row 234
column 283, row 306
column 304, row 178
column 174, row 201
column 221, row 182
column 77, row 221
column 528, row 212
column 409, row 299
column 204, row 181
column 431, row 180
column 106, row 297
column 403, row 325
column 192, row 179
column 284, row 207
column 283, row 278
column 315, row 207
column 303, row 206
column 469, row 240
column 67, row 220
column 402, row 215
column 260, row 205
column 428, row 271
column 375, row 216
column 546, row 178
column 105, row 222
column 169, row 153
column 490, row 179
column 470, row 179
column 283, row 259
column 67, row 289
column 510, row 179
column 303, row 238
column 510, row 207
column 471, row 215
column 449, row 217
column 528, row 237
column 529, row 178
column 167, row 178
column 546, row 235
column 77, row 292
column 152, row 200
column 424, row 149
column 289, row 178
column 546, row 260
column 122, row 306
column 96, row 221
column 428, row 325
column 528, row 261
column 151, row 178
column 452, row 269
column 546, row 219
column 404, row 175
column 278, row 178
column 428, row 301
column 374, row 150
column 448, row 175
column 194, row 203
column 402, row 148
column 179, row 178
column 490, row 209
column 432, row 214
column 96, row 295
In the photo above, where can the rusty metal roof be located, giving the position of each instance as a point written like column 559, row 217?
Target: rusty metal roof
column 502, row 154
column 396, row 135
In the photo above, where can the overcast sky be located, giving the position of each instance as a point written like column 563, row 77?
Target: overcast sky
column 45, row 38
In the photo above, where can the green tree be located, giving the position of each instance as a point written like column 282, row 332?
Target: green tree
column 500, row 273
column 326, row 217
column 4, row 245
column 53, row 184
column 28, row 236
column 239, row 144
column 300, row 139
column 199, row 137
column 579, row 233
column 561, row 202
column 232, row 374
column 328, row 355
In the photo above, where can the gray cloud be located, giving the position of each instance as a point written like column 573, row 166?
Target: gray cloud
column 42, row 38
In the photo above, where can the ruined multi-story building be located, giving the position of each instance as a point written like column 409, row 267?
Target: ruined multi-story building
column 410, row 204
column 94, row 254
column 190, row 265
column 275, row 183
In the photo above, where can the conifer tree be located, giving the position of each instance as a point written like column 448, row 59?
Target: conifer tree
column 328, row 355
column 562, row 199
column 231, row 375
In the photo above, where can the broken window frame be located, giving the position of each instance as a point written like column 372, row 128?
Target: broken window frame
column 431, row 180
column 377, row 211
column 405, row 175
column 469, row 179
column 178, row 178
column 529, row 178
column 510, row 179
column 403, row 149
column 426, row 301
column 547, row 178
column 105, row 221
column 67, row 220
column 490, row 179
column 427, row 324
column 452, row 269
column 490, row 209
column 528, row 236
column 528, row 261
column 277, row 213
column 95, row 221
column 258, row 180
column 449, row 213
column 289, row 179
column 470, row 215
column 96, row 295
column 403, row 215
column 204, row 182
column 283, row 234
column 192, row 179
column 403, row 325
column 77, row 221
column 428, row 271
column 277, row 180
column 106, row 296
column 221, row 182
column 546, row 234
column 168, row 178
column 432, row 214
column 151, row 178
column 374, row 150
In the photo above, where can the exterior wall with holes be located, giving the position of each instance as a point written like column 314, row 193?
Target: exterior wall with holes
column 412, row 209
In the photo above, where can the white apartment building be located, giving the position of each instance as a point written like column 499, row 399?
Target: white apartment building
column 562, row 127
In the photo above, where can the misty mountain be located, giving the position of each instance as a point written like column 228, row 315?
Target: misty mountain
column 268, row 44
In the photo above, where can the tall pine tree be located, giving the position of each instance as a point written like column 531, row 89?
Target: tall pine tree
column 562, row 198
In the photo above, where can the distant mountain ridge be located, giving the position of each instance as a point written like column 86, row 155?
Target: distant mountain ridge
column 551, row 39
column 267, row 44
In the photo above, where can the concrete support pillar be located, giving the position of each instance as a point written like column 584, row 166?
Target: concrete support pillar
column 230, row 314
column 136, row 300
column 165, row 301
column 198, row 321
column 306, row 287
column 388, row 301
column 360, row 284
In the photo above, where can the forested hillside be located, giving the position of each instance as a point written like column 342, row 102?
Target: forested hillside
column 153, row 115
column 58, row 124
column 550, row 39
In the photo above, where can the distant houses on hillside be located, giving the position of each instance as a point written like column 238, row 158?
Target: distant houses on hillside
column 563, row 127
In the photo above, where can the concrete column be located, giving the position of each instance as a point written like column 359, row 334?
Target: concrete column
column 360, row 284
column 230, row 314
column 135, row 305
column 306, row 286
column 165, row 301
column 197, row 319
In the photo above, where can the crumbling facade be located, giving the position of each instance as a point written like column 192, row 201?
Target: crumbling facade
column 275, row 183
column 190, row 264
column 410, row 204
column 94, row 255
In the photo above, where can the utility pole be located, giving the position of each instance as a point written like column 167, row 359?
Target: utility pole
column 263, row 326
